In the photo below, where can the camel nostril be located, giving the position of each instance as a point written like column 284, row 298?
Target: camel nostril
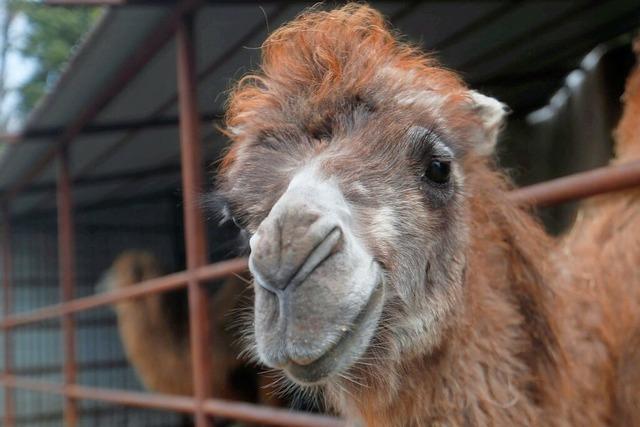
column 320, row 253
column 277, row 266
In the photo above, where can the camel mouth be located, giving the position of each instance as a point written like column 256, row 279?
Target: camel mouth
column 347, row 350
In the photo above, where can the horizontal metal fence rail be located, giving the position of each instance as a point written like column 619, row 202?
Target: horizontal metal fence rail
column 240, row 411
column 577, row 186
column 153, row 286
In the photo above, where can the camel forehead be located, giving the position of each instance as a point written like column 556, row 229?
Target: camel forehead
column 394, row 98
column 391, row 97
column 343, row 128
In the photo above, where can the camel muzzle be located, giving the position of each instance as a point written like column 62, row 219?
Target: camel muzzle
column 291, row 247
column 313, row 280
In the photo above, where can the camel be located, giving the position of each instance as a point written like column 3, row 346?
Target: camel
column 155, row 336
column 391, row 270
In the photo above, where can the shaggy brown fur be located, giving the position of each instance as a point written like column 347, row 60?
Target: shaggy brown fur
column 536, row 331
column 601, row 257
column 155, row 335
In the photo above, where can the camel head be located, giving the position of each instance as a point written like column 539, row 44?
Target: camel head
column 348, row 170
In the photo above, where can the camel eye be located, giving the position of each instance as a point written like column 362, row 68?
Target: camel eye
column 438, row 171
column 236, row 222
column 219, row 204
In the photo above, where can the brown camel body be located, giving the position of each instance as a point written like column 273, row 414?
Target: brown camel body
column 430, row 298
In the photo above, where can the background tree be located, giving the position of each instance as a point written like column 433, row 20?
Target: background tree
column 6, row 17
column 51, row 35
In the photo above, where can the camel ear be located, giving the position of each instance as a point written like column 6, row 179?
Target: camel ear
column 492, row 114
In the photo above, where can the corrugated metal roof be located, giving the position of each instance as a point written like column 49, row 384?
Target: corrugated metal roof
column 517, row 51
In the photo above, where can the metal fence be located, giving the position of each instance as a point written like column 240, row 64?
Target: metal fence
column 63, row 353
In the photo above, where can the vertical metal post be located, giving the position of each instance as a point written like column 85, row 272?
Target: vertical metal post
column 194, row 226
column 7, row 276
column 66, row 267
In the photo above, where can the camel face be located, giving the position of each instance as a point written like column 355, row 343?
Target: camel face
column 351, row 183
column 355, row 243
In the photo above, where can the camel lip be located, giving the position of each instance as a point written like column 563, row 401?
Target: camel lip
column 346, row 351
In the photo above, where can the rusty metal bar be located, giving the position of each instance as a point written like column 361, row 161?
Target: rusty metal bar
column 139, row 399
column 148, row 287
column 240, row 411
column 54, row 368
column 7, row 302
column 190, row 145
column 66, row 267
column 597, row 181
column 264, row 415
column 194, row 225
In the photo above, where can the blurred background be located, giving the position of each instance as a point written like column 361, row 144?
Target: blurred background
column 107, row 74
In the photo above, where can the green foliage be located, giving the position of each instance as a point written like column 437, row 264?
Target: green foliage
column 52, row 35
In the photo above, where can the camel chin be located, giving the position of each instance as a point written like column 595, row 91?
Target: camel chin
column 347, row 351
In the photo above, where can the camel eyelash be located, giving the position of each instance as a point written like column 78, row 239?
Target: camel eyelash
column 426, row 144
column 221, row 209
column 230, row 217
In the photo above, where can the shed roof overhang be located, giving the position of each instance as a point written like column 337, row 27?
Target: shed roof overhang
column 115, row 105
